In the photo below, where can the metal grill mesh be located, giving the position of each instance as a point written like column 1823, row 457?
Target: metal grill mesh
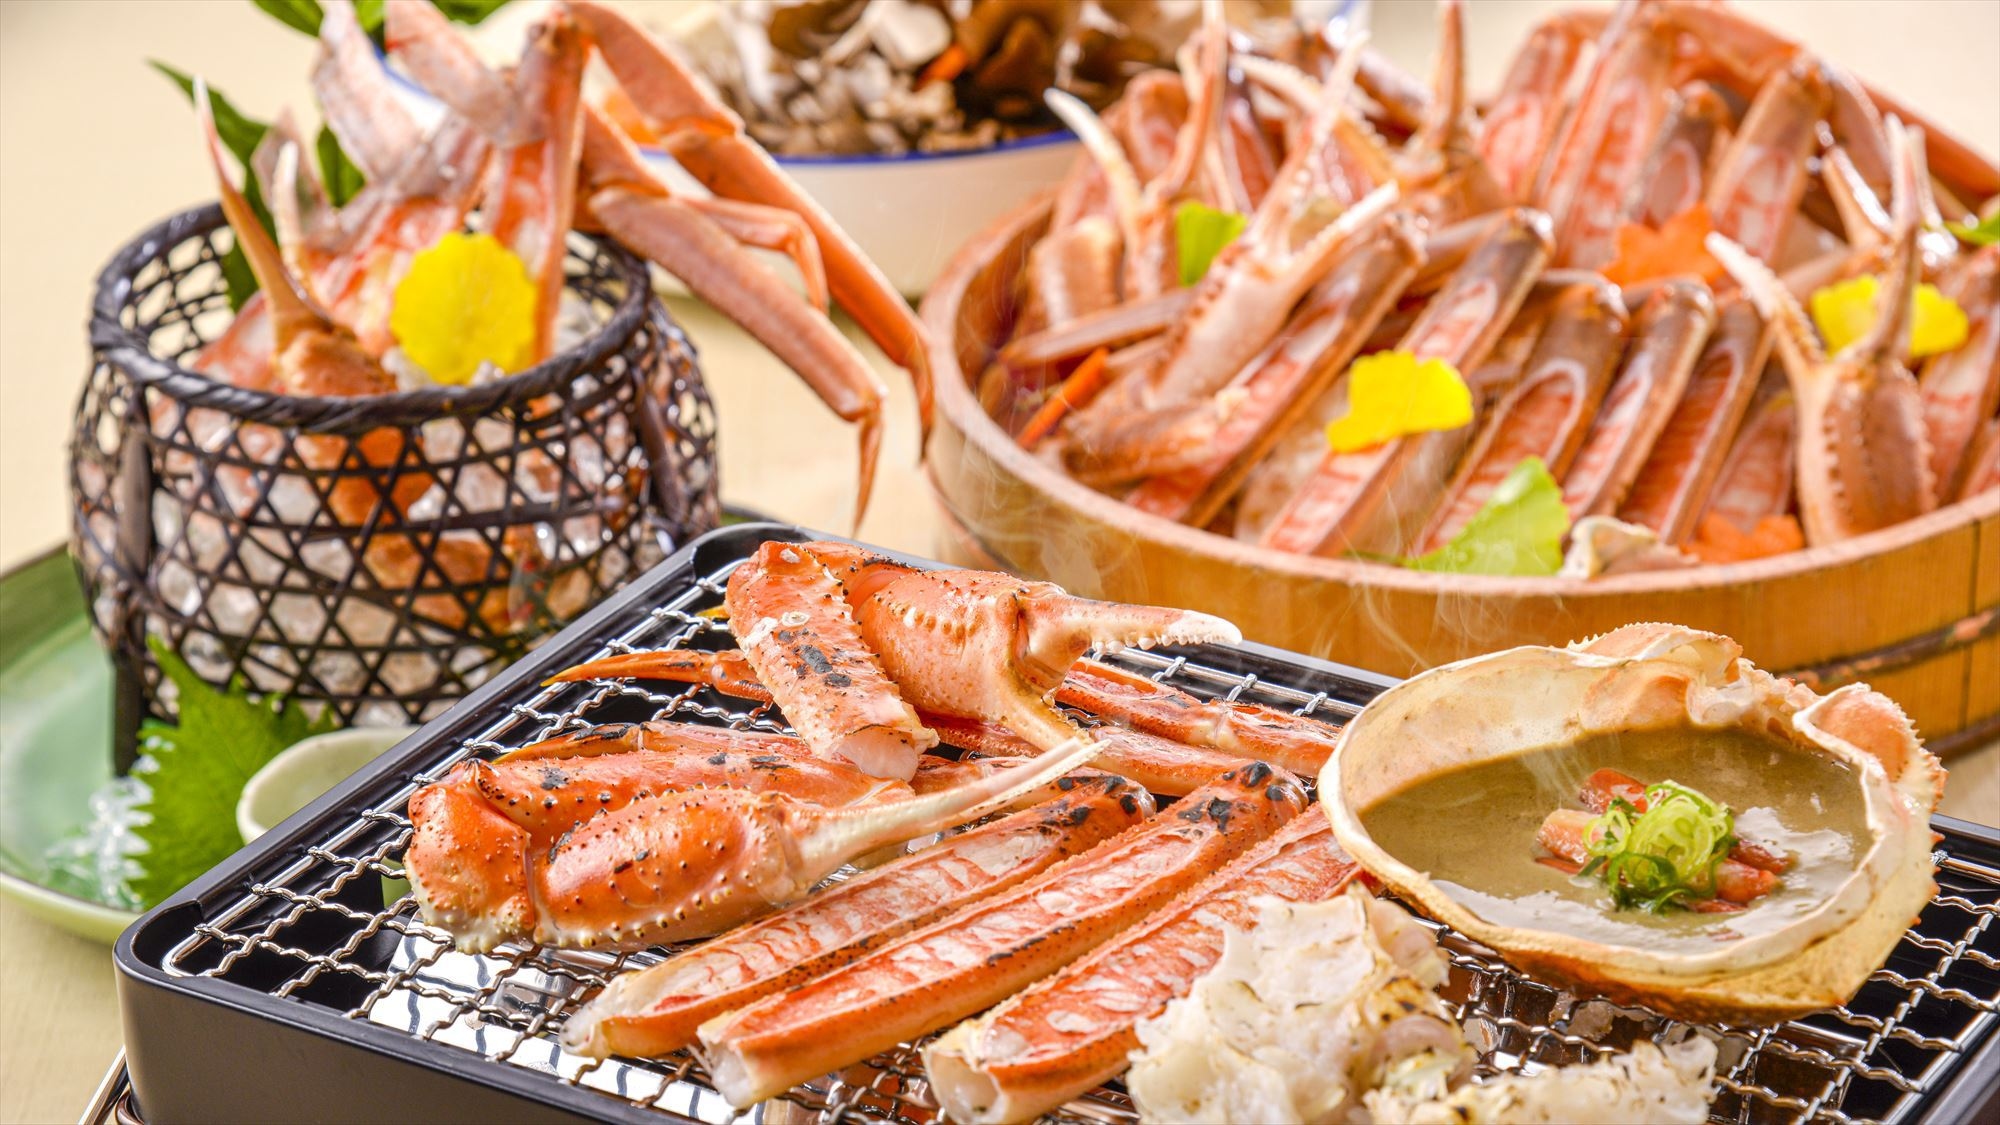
column 318, row 933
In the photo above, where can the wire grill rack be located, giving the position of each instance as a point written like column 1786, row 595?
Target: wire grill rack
column 322, row 934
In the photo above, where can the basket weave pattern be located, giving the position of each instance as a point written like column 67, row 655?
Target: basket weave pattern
column 379, row 555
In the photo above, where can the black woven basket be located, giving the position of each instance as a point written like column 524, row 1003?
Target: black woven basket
column 505, row 508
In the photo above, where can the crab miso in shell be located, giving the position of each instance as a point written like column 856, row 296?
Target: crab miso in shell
column 1838, row 782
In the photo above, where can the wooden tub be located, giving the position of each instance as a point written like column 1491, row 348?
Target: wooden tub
column 1913, row 609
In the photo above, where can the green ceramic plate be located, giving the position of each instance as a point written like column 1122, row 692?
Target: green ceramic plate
column 55, row 737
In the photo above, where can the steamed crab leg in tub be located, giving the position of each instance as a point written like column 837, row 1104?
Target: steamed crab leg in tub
column 1253, row 401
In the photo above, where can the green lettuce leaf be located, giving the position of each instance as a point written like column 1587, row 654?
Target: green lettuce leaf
column 337, row 170
column 469, row 11
column 1518, row 531
column 197, row 770
column 304, row 15
column 1985, row 233
column 1200, row 233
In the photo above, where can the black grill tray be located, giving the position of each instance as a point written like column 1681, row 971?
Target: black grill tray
column 293, row 982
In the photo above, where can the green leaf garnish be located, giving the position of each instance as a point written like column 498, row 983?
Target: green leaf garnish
column 1985, row 233
column 197, row 771
column 304, row 15
column 1200, row 233
column 1664, row 857
column 1518, row 531
column 337, row 170
column 469, row 11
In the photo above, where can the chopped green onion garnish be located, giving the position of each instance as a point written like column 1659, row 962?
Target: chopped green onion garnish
column 1664, row 857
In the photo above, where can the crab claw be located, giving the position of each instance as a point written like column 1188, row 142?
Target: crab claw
column 993, row 648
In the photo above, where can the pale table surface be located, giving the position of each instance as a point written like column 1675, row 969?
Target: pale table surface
column 93, row 147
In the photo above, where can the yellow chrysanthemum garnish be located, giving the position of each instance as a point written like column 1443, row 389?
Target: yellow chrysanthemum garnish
column 465, row 301
column 1390, row 395
column 1845, row 311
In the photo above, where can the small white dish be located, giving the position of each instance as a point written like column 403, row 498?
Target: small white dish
column 303, row 771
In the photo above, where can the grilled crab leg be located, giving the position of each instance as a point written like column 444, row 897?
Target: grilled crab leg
column 1673, row 326
column 705, row 138
column 1071, row 1031
column 683, row 865
column 1673, row 486
column 1864, row 458
column 967, row 961
column 1242, row 730
column 656, row 1010
column 1369, row 499
column 697, row 756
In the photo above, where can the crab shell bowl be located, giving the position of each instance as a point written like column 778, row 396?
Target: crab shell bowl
column 1649, row 678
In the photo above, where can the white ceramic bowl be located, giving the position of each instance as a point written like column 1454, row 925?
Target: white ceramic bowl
column 907, row 213
column 303, row 771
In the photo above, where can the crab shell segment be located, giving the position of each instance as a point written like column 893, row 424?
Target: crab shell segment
column 1653, row 677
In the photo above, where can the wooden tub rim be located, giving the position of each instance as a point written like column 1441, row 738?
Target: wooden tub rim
column 940, row 313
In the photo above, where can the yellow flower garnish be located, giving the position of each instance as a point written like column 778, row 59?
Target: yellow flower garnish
column 465, row 301
column 1390, row 394
column 1845, row 311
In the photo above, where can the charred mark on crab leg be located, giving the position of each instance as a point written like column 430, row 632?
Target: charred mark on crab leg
column 705, row 138
column 970, row 959
column 1323, row 336
column 656, row 1010
column 791, row 612
column 1546, row 414
column 1071, row 1031
column 1673, row 486
column 1755, row 481
column 1762, row 175
column 1673, row 327
column 1373, row 499
column 1961, row 387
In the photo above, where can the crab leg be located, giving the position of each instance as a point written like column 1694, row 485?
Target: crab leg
column 1150, row 762
column 1547, row 412
column 1756, row 480
column 707, row 139
column 1033, row 355
column 1864, row 460
column 791, row 612
column 1676, row 173
column 656, row 1010
column 1440, row 168
column 1180, row 721
column 1366, row 499
column 1673, row 486
column 1982, row 462
column 1522, row 122
column 1599, row 170
column 679, row 866
column 355, row 97
column 1072, row 272
column 967, row 961
column 531, row 189
column 1323, row 336
column 1673, row 326
column 1762, row 175
column 1070, row 1032
column 1961, row 387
